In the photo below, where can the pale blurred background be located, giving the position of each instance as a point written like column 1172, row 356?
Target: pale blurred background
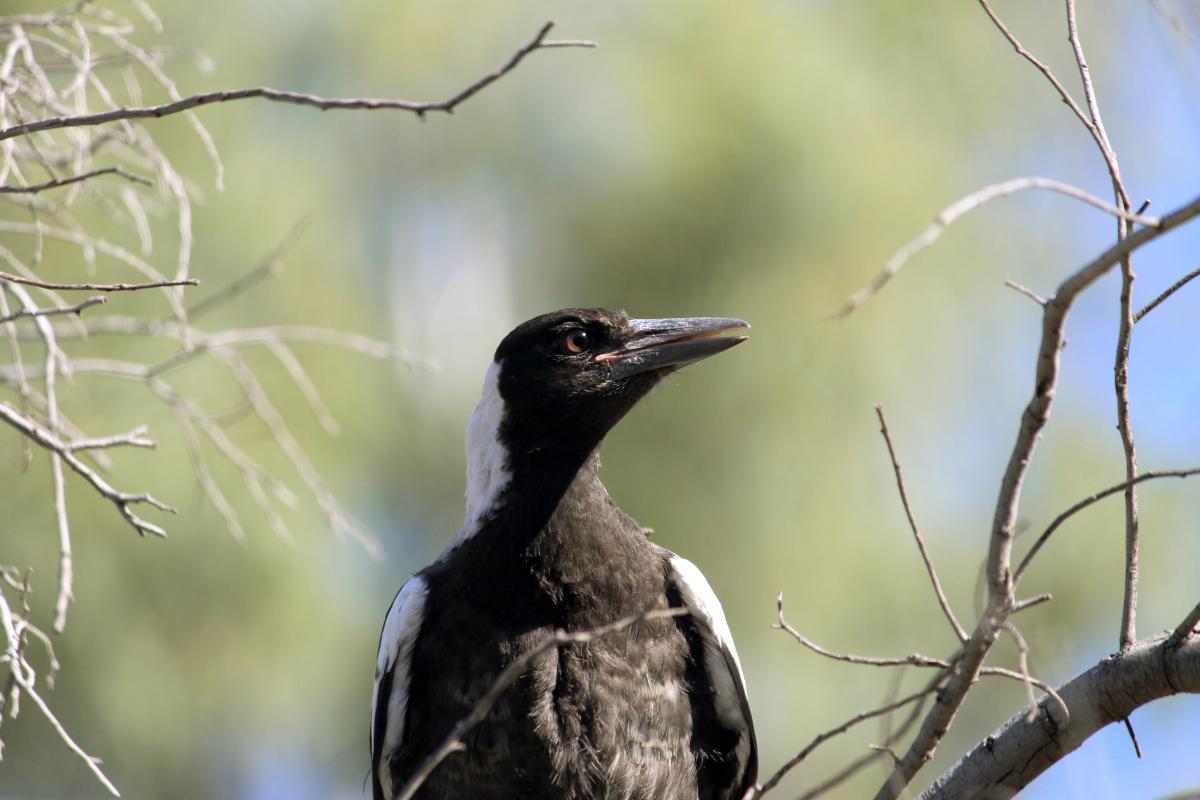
column 760, row 160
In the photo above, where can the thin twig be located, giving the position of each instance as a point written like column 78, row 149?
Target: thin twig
column 1036, row 600
column 916, row 530
column 26, row 684
column 1023, row 664
column 268, row 267
column 999, row 574
column 135, row 438
column 825, row 736
column 538, row 42
column 47, row 312
column 124, row 501
column 1032, row 295
column 57, row 182
column 1185, row 629
column 1128, row 632
column 969, row 203
column 1042, row 68
column 507, row 677
column 915, row 659
column 52, row 366
column 1137, row 748
column 342, row 523
column 1089, row 500
column 96, row 287
column 1175, row 287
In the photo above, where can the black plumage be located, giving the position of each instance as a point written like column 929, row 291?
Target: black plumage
column 657, row 711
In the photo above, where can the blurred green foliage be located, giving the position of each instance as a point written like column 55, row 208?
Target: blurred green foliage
column 758, row 160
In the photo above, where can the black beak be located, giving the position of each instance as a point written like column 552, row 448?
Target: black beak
column 671, row 343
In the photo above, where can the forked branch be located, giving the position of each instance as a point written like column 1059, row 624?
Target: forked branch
column 1021, row 749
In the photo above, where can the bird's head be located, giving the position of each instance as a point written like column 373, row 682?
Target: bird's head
column 573, row 374
column 562, row 380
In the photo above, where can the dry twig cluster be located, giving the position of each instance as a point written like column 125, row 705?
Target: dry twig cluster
column 1141, row 671
column 73, row 158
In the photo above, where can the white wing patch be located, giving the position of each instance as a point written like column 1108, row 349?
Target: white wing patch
column 395, row 654
column 702, row 601
column 487, row 457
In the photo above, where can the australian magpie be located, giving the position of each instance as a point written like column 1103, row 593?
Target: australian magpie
column 655, row 711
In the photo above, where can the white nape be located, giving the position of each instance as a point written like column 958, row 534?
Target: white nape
column 487, row 457
column 395, row 656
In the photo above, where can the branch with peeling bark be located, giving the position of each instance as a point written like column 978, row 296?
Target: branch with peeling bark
column 1023, row 748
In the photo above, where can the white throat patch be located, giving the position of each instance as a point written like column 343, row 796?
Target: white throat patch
column 487, row 457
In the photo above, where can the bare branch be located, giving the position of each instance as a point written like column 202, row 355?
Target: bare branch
column 538, row 42
column 825, row 736
column 124, row 501
column 269, row 267
column 969, row 203
column 135, row 438
column 1045, row 70
column 25, row 681
column 1128, row 633
column 342, row 523
column 1175, row 287
column 913, row 659
column 1137, row 747
column 208, row 484
column 1009, row 759
column 507, row 677
column 1036, row 600
column 1087, row 501
column 46, row 312
column 1032, row 295
column 1023, row 663
column 308, row 389
column 1185, row 629
column 57, row 182
column 912, row 523
column 999, row 575
column 96, row 287
column 1096, row 128
column 66, row 564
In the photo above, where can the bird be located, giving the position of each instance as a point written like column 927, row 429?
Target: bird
column 655, row 710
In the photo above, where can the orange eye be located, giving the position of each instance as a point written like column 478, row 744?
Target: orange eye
column 575, row 341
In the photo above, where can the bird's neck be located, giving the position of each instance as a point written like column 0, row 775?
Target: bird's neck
column 514, row 482
column 557, row 535
column 532, row 489
column 535, row 493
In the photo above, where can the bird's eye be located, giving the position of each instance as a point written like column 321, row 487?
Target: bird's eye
column 575, row 341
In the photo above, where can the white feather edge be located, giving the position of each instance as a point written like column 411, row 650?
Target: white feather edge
column 400, row 631
column 487, row 457
column 699, row 597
